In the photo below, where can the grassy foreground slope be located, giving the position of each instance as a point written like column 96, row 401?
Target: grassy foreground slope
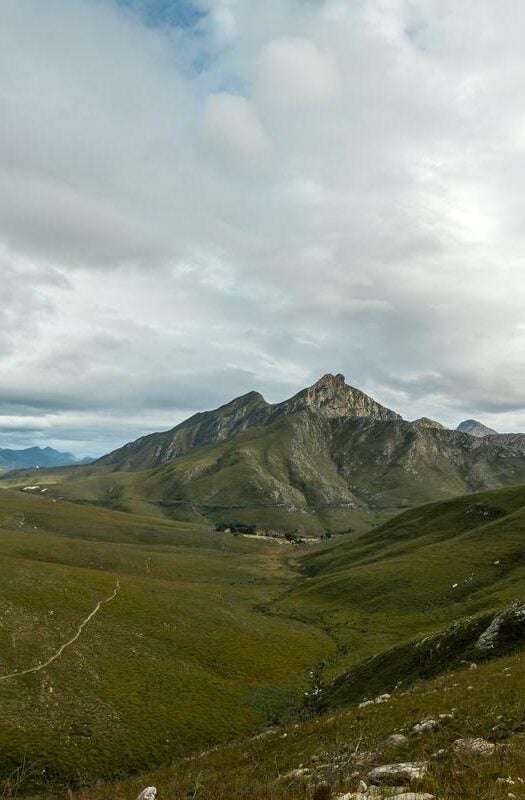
column 176, row 659
column 456, row 562
column 416, row 574
column 340, row 748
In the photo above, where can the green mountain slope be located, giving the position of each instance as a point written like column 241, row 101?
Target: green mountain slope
column 415, row 575
column 307, row 471
column 328, row 459
column 338, row 750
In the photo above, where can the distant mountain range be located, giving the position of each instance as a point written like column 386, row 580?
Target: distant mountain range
column 40, row 457
column 328, row 458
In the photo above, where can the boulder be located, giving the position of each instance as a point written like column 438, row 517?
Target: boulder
column 297, row 774
column 395, row 740
column 415, row 796
column 382, row 698
column 476, row 747
column 149, row 793
column 396, row 774
column 425, row 726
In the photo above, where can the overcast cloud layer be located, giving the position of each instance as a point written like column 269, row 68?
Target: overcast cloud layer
column 199, row 200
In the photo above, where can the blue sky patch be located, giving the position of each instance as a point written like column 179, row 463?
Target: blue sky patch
column 177, row 13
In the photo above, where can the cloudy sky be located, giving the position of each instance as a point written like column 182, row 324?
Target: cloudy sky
column 199, row 198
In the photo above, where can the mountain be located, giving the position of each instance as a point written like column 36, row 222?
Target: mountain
column 475, row 428
column 41, row 457
column 328, row 398
column 328, row 459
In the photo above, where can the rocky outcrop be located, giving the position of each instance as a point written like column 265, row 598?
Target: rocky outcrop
column 331, row 397
column 314, row 462
column 505, row 628
column 485, row 636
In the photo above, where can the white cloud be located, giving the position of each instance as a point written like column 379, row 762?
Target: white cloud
column 294, row 71
column 290, row 188
column 231, row 124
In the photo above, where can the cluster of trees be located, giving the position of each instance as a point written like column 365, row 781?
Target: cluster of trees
column 235, row 527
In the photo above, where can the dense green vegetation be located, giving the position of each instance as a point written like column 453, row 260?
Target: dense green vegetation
column 415, row 575
column 178, row 660
column 212, row 636
column 341, row 747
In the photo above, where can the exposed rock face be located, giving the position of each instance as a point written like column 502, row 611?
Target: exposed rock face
column 507, row 626
column 332, row 398
column 475, row 428
column 430, row 656
column 328, row 398
column 328, row 452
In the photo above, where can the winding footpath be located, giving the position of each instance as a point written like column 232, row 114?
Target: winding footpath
column 67, row 644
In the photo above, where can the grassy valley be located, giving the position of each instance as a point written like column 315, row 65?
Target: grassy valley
column 210, row 637
column 178, row 660
column 416, row 574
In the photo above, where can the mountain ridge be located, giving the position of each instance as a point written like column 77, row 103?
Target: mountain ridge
column 328, row 459
column 37, row 457
column 329, row 397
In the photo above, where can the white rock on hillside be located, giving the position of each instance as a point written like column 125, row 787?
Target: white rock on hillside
column 297, row 774
column 477, row 747
column 425, row 726
column 395, row 774
column 395, row 740
column 383, row 698
column 415, row 796
column 149, row 793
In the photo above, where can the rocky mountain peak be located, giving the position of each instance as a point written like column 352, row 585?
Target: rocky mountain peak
column 331, row 397
column 475, row 428
column 329, row 380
